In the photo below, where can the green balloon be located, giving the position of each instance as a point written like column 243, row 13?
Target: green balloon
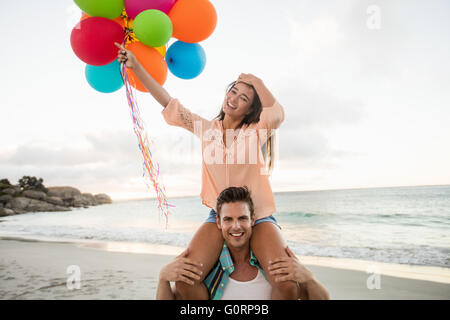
column 110, row 9
column 153, row 28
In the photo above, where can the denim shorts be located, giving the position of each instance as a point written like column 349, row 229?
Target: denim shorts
column 271, row 218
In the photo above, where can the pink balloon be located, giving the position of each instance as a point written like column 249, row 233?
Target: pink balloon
column 134, row 7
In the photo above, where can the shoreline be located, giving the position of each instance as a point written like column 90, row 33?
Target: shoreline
column 404, row 271
column 35, row 270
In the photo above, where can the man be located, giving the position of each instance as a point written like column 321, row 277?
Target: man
column 237, row 275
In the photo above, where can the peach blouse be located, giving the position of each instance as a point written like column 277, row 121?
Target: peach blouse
column 241, row 164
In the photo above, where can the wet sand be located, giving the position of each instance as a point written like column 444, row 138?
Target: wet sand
column 41, row 270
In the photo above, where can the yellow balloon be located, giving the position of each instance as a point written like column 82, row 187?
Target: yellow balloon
column 162, row 50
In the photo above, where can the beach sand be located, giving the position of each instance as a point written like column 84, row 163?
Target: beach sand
column 40, row 269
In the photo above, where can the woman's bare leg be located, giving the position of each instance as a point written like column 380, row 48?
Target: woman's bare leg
column 205, row 247
column 267, row 244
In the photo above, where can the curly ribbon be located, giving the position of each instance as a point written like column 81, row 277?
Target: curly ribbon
column 151, row 169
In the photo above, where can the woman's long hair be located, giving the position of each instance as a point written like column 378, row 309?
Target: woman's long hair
column 268, row 149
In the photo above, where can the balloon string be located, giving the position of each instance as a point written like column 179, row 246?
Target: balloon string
column 129, row 36
column 150, row 168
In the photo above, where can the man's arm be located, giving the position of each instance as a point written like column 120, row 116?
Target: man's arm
column 164, row 291
column 290, row 268
column 313, row 290
column 181, row 269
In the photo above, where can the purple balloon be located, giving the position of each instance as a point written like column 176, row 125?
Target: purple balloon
column 134, row 7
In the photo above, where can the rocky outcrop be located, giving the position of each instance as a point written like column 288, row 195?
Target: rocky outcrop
column 39, row 206
column 13, row 200
column 103, row 198
column 38, row 195
column 63, row 192
column 55, row 200
column 6, row 212
column 19, row 203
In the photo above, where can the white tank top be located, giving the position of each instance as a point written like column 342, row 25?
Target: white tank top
column 256, row 289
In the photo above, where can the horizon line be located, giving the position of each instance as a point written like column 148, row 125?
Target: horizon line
column 291, row 191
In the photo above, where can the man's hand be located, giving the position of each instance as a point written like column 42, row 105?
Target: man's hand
column 127, row 56
column 290, row 268
column 181, row 269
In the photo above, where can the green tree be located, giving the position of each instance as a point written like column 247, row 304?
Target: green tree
column 32, row 183
column 4, row 184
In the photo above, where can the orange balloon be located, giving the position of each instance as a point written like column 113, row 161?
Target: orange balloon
column 119, row 20
column 151, row 60
column 193, row 20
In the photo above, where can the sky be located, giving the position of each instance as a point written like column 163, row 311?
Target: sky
column 365, row 86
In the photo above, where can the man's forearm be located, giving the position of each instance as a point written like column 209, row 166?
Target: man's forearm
column 164, row 291
column 153, row 87
column 315, row 291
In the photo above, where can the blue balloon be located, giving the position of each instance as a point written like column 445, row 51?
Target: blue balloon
column 186, row 60
column 105, row 78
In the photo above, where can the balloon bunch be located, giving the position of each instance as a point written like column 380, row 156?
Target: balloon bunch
column 144, row 27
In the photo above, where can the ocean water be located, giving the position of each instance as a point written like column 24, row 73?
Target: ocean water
column 406, row 225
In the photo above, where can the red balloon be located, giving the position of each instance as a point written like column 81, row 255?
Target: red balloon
column 93, row 39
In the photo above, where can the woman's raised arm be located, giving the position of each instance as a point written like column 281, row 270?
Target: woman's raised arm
column 266, row 97
column 153, row 87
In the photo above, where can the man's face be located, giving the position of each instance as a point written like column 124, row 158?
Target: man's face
column 235, row 223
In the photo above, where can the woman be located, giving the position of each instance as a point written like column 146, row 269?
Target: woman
column 249, row 113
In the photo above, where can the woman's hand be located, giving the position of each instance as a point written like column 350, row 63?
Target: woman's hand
column 181, row 269
column 127, row 56
column 249, row 79
column 290, row 268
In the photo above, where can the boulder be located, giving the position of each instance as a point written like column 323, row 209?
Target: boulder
column 39, row 206
column 102, row 198
column 89, row 199
column 85, row 200
column 6, row 212
column 19, row 203
column 63, row 192
column 5, row 198
column 37, row 195
column 15, row 201
column 78, row 202
column 55, row 200
column 10, row 191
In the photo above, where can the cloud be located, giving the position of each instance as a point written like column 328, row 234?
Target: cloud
column 309, row 40
column 320, row 109
column 111, row 147
column 108, row 161
column 310, row 116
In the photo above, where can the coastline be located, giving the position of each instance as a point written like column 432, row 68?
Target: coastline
column 406, row 271
column 37, row 269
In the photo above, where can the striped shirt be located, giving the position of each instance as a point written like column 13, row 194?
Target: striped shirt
column 218, row 278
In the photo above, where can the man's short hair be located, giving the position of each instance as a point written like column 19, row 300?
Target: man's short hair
column 235, row 194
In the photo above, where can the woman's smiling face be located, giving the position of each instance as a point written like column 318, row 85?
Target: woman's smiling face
column 238, row 100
